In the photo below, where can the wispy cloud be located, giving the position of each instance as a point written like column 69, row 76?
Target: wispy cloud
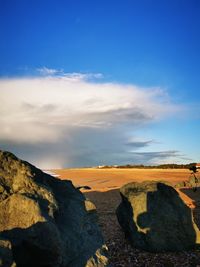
column 161, row 157
column 139, row 144
column 48, row 72
column 73, row 76
column 81, row 117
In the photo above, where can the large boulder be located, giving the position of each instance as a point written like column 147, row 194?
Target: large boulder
column 45, row 221
column 154, row 218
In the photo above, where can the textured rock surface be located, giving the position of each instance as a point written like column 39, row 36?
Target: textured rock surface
column 154, row 218
column 6, row 256
column 46, row 221
column 193, row 181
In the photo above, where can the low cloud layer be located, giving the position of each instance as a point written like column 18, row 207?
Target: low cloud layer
column 60, row 119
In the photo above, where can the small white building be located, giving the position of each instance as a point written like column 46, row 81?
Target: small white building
column 198, row 165
column 101, row 166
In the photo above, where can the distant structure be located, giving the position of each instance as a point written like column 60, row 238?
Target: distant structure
column 198, row 165
column 107, row 166
column 101, row 166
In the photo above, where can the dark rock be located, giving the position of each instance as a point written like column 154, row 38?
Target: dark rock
column 47, row 222
column 155, row 218
column 6, row 256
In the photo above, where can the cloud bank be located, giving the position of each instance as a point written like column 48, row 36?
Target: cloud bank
column 69, row 119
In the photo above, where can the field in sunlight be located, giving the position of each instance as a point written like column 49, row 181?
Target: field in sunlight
column 106, row 179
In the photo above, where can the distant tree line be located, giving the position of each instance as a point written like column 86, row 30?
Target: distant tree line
column 161, row 166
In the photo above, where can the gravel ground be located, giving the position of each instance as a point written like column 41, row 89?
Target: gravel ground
column 121, row 254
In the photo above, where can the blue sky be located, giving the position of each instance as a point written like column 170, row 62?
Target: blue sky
column 145, row 53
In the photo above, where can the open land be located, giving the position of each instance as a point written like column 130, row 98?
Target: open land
column 104, row 193
column 105, row 179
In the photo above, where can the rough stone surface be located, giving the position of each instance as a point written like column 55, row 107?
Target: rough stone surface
column 154, row 218
column 6, row 256
column 183, row 184
column 193, row 181
column 45, row 221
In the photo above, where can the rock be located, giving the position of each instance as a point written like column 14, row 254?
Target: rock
column 47, row 221
column 182, row 184
column 6, row 256
column 155, row 218
column 86, row 187
column 194, row 181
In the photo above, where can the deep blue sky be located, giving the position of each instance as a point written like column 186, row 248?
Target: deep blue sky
column 145, row 42
column 148, row 42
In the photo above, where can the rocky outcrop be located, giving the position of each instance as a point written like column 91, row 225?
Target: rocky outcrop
column 154, row 218
column 45, row 221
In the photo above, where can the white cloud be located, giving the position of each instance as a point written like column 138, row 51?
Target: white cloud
column 58, row 109
column 48, row 72
column 73, row 76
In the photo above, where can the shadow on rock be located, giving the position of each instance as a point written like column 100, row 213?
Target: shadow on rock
column 155, row 218
column 41, row 245
column 46, row 221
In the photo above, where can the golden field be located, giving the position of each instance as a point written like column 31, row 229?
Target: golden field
column 107, row 179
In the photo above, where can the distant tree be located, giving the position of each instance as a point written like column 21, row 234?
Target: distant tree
column 193, row 168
